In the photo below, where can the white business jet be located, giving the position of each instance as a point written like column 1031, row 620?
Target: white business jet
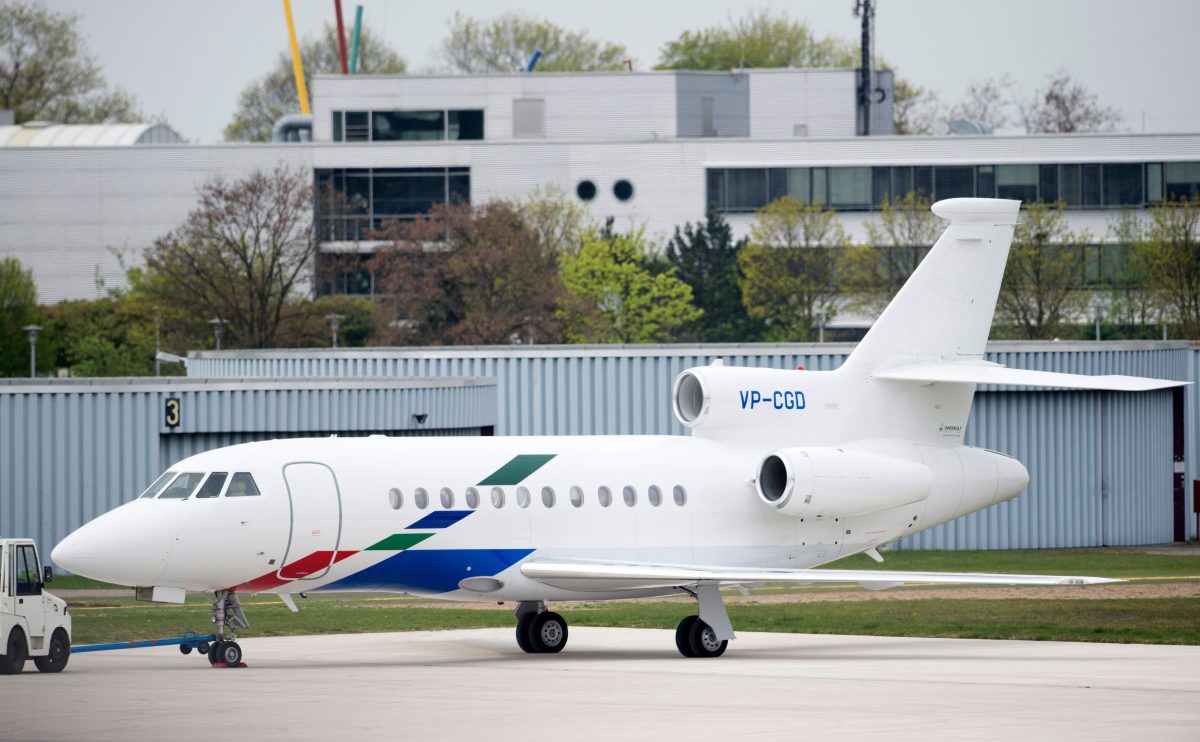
column 784, row 471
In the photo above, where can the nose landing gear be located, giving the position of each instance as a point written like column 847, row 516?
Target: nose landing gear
column 228, row 615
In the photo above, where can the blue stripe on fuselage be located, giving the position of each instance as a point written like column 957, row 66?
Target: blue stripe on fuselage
column 441, row 519
column 430, row 571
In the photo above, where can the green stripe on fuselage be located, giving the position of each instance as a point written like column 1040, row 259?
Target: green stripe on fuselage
column 520, row 467
column 399, row 542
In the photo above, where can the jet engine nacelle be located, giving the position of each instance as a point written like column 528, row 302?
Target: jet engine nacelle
column 839, row 482
column 719, row 397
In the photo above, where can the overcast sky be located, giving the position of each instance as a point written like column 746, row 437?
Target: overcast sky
column 190, row 60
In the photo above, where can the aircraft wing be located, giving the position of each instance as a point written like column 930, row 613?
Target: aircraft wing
column 590, row 576
column 992, row 373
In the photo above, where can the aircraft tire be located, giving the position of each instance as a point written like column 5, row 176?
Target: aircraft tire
column 60, row 652
column 230, row 653
column 523, row 632
column 704, row 642
column 213, row 651
column 683, row 641
column 16, row 652
column 548, row 633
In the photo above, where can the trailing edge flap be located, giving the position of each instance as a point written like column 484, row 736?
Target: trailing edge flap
column 981, row 372
column 616, row 576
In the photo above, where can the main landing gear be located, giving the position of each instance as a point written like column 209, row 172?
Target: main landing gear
column 227, row 614
column 708, row 634
column 540, row 631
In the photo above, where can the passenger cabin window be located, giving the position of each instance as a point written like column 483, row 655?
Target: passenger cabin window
column 29, row 582
column 420, row 498
column 159, row 483
column 630, row 495
column 680, row 495
column 472, row 496
column 182, row 487
column 242, row 485
column 212, row 486
column 447, row 496
column 654, row 495
column 395, row 498
column 548, row 496
column 522, row 497
column 577, row 496
column 497, row 497
column 604, row 497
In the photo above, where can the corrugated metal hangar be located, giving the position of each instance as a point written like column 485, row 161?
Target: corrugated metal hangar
column 1103, row 465
column 73, row 449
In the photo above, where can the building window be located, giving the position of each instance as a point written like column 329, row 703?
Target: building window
column 1017, row 181
column 850, row 188
column 355, row 203
column 1183, row 179
column 407, row 126
column 586, row 190
column 623, row 190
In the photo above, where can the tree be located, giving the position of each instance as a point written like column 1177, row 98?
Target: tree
column 1134, row 308
column 1064, row 105
column 47, row 74
column 1041, row 293
column 240, row 256
column 990, row 100
column 611, row 297
column 18, row 308
column 266, row 99
column 558, row 221
column 469, row 275
column 505, row 43
column 757, row 39
column 704, row 256
column 1168, row 252
column 898, row 240
column 110, row 336
column 789, row 269
column 915, row 110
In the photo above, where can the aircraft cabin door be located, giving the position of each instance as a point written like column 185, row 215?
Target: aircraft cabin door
column 316, row 513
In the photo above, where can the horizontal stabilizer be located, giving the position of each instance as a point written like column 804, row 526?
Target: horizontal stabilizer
column 977, row 372
column 587, row 576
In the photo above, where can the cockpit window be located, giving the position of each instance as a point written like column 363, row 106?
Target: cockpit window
column 153, row 489
column 242, row 485
column 212, row 486
column 182, row 486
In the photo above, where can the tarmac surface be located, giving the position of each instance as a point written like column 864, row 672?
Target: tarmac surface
column 628, row 684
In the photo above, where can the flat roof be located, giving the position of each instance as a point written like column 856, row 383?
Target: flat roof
column 200, row 384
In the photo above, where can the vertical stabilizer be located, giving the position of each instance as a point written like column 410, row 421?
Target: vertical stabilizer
column 944, row 311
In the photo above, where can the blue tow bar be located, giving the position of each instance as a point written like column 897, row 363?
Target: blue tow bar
column 187, row 640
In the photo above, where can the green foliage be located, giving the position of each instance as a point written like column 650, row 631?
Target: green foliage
column 1167, row 252
column 469, row 275
column 705, row 257
column 757, row 39
column 789, row 271
column 611, row 296
column 104, row 337
column 1041, row 293
column 557, row 219
column 506, row 42
column 18, row 308
column 899, row 238
column 266, row 99
column 47, row 74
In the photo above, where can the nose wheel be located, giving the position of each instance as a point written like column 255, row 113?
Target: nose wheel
column 228, row 615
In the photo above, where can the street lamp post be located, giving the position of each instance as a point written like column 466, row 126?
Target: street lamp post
column 335, row 322
column 821, row 325
column 218, row 326
column 1098, row 316
column 33, row 333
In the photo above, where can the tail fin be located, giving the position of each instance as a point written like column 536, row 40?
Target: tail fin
column 944, row 311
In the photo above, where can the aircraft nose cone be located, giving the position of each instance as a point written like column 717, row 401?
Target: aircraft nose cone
column 127, row 546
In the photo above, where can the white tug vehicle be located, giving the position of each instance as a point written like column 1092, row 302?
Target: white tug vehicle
column 33, row 623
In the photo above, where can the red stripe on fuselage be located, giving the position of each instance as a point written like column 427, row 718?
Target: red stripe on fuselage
column 314, row 562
